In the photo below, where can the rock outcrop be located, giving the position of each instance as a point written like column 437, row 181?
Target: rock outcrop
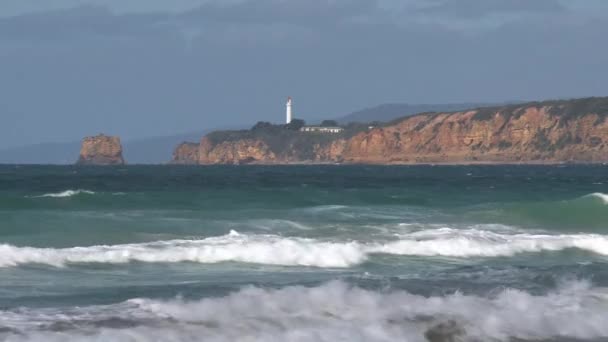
column 540, row 132
column 186, row 153
column 245, row 151
column 101, row 150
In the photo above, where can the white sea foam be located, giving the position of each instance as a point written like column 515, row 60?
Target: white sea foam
column 331, row 312
column 291, row 251
column 325, row 208
column 278, row 224
column 261, row 249
column 67, row 193
column 482, row 243
column 603, row 197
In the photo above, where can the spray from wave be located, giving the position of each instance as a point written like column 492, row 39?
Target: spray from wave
column 599, row 195
column 67, row 193
column 331, row 312
column 285, row 251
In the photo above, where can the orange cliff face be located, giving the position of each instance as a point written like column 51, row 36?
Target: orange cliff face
column 186, row 153
column 237, row 152
column 101, row 150
column 548, row 132
column 529, row 134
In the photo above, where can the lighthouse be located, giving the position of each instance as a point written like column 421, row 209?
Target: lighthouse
column 288, row 111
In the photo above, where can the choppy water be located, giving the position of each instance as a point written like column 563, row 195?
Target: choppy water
column 304, row 253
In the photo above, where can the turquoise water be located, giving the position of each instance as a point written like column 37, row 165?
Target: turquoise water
column 304, row 253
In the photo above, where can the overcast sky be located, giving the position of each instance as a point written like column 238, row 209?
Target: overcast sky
column 137, row 68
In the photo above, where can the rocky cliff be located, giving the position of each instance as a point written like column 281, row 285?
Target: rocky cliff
column 186, row 153
column 236, row 152
column 101, row 150
column 543, row 132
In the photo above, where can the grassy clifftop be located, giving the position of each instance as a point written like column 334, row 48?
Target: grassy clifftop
column 285, row 141
column 566, row 109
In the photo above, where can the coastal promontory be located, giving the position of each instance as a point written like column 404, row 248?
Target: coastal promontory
column 101, row 150
column 560, row 131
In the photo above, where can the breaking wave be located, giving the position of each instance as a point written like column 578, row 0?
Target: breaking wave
column 292, row 251
column 334, row 311
column 260, row 249
column 482, row 243
column 599, row 195
column 67, row 193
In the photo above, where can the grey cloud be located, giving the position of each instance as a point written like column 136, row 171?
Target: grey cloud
column 81, row 22
column 265, row 21
column 249, row 18
column 478, row 8
column 91, row 69
column 294, row 11
column 260, row 20
column 9, row 8
column 249, row 22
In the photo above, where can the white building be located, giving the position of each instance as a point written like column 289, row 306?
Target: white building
column 309, row 129
column 321, row 129
column 288, row 112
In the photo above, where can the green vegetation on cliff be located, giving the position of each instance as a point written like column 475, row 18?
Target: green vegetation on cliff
column 565, row 109
column 287, row 140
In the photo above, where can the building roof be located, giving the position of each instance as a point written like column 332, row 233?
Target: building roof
column 324, row 127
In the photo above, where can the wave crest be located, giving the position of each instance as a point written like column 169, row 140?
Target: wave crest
column 450, row 242
column 67, row 193
column 260, row 249
column 283, row 251
column 599, row 195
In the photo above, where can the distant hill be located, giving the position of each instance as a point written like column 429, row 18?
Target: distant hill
column 390, row 111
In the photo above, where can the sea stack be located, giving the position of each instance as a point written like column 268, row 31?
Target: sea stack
column 101, row 150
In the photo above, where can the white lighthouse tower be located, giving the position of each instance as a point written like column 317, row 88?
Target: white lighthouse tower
column 288, row 111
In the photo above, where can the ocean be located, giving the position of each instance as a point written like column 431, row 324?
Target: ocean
column 304, row 253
